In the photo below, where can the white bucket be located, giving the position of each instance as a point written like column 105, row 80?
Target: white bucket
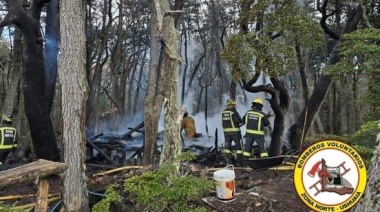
column 225, row 184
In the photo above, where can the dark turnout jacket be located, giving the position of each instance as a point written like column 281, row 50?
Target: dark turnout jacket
column 255, row 121
column 231, row 121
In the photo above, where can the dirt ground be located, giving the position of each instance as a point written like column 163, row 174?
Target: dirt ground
column 263, row 190
column 260, row 190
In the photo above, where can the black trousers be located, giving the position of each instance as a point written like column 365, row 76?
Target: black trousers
column 250, row 139
column 4, row 154
column 228, row 142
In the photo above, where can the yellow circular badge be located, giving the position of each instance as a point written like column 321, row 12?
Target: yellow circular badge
column 330, row 176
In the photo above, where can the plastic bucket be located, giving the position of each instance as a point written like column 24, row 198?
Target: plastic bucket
column 225, row 184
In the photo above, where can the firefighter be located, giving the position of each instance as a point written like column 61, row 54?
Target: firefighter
column 188, row 124
column 256, row 121
column 8, row 140
column 232, row 122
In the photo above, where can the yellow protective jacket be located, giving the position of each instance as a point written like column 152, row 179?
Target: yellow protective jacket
column 188, row 124
column 8, row 137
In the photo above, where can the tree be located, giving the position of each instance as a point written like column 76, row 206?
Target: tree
column 36, row 108
column 269, row 50
column 167, row 76
column 309, row 113
column 153, row 96
column 71, row 69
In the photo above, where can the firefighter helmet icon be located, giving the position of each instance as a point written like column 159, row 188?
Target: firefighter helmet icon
column 330, row 176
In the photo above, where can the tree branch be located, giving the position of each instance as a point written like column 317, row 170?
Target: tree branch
column 249, row 84
column 325, row 16
column 7, row 21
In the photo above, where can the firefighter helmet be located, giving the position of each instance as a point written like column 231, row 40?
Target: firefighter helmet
column 257, row 101
column 7, row 118
column 230, row 102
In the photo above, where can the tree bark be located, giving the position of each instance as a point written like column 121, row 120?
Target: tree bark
column 169, row 70
column 74, row 95
column 153, row 98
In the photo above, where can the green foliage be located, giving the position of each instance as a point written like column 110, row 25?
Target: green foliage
column 259, row 49
column 6, row 208
column 104, row 204
column 364, row 140
column 366, row 136
column 360, row 52
column 158, row 189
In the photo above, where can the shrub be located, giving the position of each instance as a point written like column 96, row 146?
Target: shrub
column 158, row 190
column 364, row 140
column 104, row 204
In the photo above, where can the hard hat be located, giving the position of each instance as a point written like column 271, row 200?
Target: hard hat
column 7, row 118
column 231, row 102
column 257, row 101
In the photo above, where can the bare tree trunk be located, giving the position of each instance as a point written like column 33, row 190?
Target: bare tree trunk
column 138, row 84
column 153, row 98
column 74, row 95
column 12, row 95
column 169, row 69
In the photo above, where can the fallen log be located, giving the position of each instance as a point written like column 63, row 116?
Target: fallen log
column 28, row 173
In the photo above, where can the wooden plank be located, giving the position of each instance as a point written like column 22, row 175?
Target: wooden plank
column 31, row 205
column 28, row 173
column 20, row 196
column 42, row 195
column 118, row 169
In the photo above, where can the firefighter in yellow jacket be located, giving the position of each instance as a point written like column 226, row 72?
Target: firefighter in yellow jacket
column 8, row 139
column 188, row 124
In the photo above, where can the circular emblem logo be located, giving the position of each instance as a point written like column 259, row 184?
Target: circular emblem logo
column 330, row 176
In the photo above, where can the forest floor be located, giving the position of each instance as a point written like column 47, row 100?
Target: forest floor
column 267, row 189
column 259, row 190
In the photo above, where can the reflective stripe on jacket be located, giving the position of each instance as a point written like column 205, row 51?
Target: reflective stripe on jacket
column 228, row 122
column 254, row 122
column 8, row 137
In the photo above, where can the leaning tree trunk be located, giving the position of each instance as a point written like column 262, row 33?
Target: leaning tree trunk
column 74, row 95
column 36, row 108
column 308, row 115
